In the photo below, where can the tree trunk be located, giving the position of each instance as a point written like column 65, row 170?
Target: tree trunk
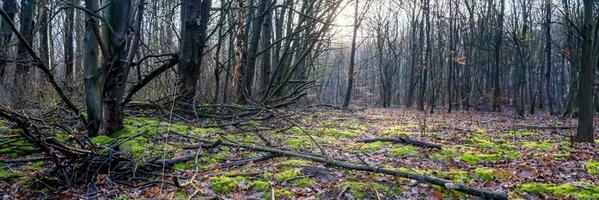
column 91, row 79
column 116, row 68
column 498, row 41
column 266, row 49
column 21, row 78
column 194, row 23
column 352, row 57
column 548, row 55
column 10, row 7
column 585, row 96
column 68, row 45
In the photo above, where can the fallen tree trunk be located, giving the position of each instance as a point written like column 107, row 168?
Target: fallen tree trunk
column 402, row 140
column 485, row 194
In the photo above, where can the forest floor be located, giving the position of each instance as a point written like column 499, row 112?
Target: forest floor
column 530, row 158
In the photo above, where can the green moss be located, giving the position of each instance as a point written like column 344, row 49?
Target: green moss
column 480, row 132
column 181, row 194
column 520, row 133
column 224, row 184
column 287, row 175
column 136, row 147
column 483, row 174
column 535, row 145
column 152, row 127
column 373, row 146
column 479, row 142
column 592, row 167
column 260, row 186
column 304, row 182
column 394, row 130
column 4, row 174
column 37, row 165
column 280, row 194
column 575, row 190
column 221, row 155
column 446, row 154
column 101, row 139
column 299, row 142
column 403, row 151
column 296, row 163
column 472, row 158
column 338, row 133
column 455, row 175
column 565, row 145
column 561, row 155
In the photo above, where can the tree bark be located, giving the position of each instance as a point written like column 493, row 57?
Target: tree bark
column 194, row 23
column 352, row 58
column 10, row 7
column 22, row 72
column 585, row 96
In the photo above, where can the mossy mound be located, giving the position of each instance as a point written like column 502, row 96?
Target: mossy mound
column 483, row 174
column 260, row 186
column 544, row 145
column 287, row 175
column 338, row 133
column 280, row 194
column 373, row 146
column 403, row 151
column 224, row 184
column 574, row 190
column 592, row 167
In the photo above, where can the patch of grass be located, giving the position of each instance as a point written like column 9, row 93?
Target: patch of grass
column 260, row 186
column 483, row 174
column 574, row 190
column 403, row 151
column 373, row 146
column 592, row 167
column 287, row 175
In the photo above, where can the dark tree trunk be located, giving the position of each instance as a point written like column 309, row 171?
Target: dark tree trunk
column 10, row 7
column 548, row 56
column 585, row 96
column 352, row 57
column 21, row 80
column 194, row 22
column 498, row 41
column 68, row 45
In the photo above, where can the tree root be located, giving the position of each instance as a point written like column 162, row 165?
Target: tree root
column 402, row 140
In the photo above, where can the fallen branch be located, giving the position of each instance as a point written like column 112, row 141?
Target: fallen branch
column 532, row 127
column 401, row 140
column 485, row 194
